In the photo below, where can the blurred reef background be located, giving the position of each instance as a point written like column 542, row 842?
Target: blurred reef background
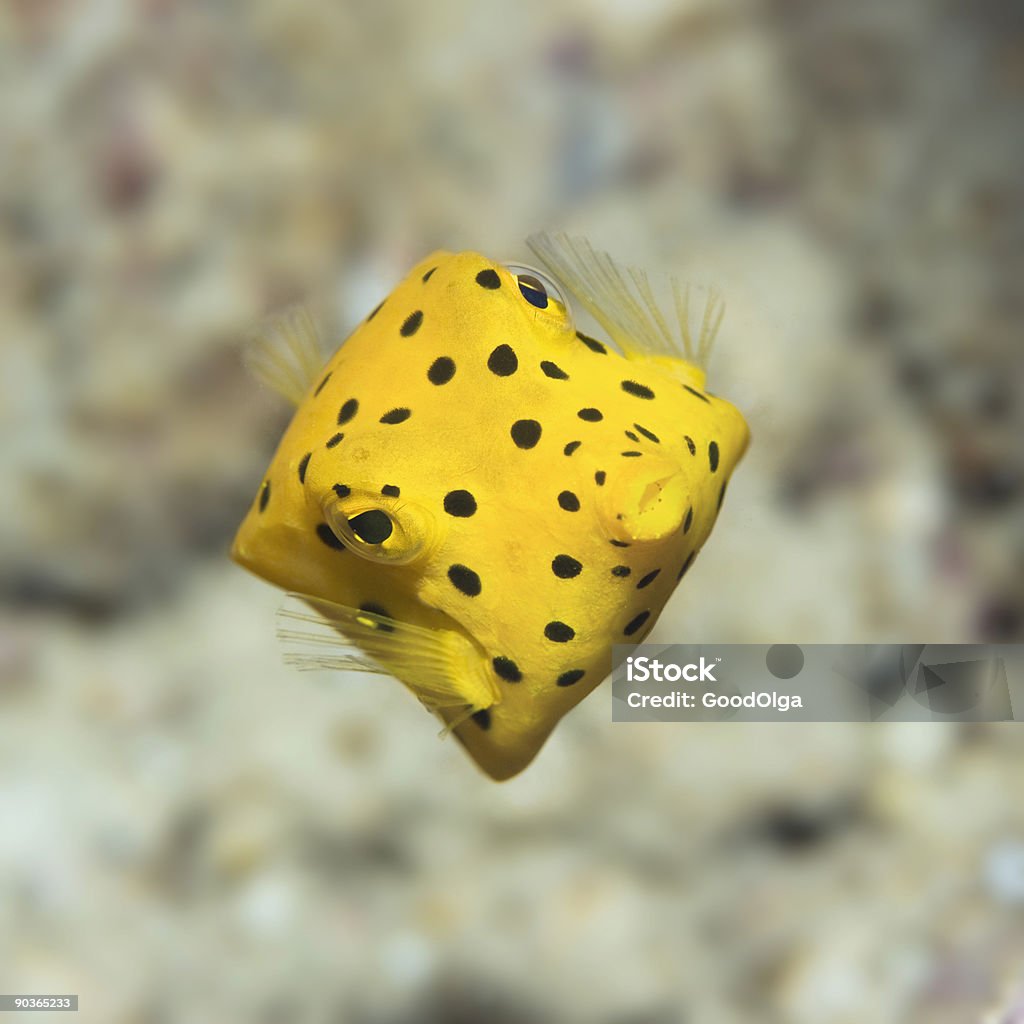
column 191, row 832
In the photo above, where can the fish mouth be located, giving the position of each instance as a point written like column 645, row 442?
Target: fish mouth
column 647, row 506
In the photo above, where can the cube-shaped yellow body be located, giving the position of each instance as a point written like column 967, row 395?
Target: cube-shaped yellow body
column 469, row 464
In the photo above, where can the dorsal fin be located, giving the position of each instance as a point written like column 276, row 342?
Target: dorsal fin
column 285, row 354
column 623, row 303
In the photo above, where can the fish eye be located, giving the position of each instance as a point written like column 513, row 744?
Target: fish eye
column 373, row 527
column 533, row 290
column 537, row 288
column 397, row 533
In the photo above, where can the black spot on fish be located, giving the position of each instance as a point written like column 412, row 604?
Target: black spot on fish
column 426, row 276
column 326, row 534
column 341, row 490
column 390, row 491
column 376, row 609
column 464, row 580
column 373, row 527
column 631, row 435
column 592, row 343
column 636, row 623
column 599, row 478
column 721, row 496
column 412, row 323
column 334, row 441
column 590, row 415
column 688, row 521
column 686, row 565
column 502, row 362
column 569, row 501
column 303, row 465
column 347, row 411
column 690, row 444
column 553, row 371
column 396, row 416
column 631, row 454
column 648, row 579
column 525, row 433
column 566, row 567
column 441, row 370
column 631, row 387
column 622, row 571
column 482, row 718
column 488, row 279
column 320, row 386
column 571, row 447
column 650, row 436
column 507, row 669
column 459, row 503
column 697, row 394
column 713, row 455
column 264, row 495
column 620, row 543
column 574, row 675
column 376, row 310
column 559, row 632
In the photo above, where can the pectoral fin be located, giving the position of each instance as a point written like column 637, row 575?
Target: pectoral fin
column 622, row 300
column 442, row 667
column 285, row 353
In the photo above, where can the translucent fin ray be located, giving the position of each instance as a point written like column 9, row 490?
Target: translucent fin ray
column 285, row 353
column 441, row 667
column 623, row 302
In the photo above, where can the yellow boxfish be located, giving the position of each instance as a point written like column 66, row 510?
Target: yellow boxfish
column 479, row 499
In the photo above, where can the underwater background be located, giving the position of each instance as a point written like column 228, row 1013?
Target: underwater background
column 189, row 830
